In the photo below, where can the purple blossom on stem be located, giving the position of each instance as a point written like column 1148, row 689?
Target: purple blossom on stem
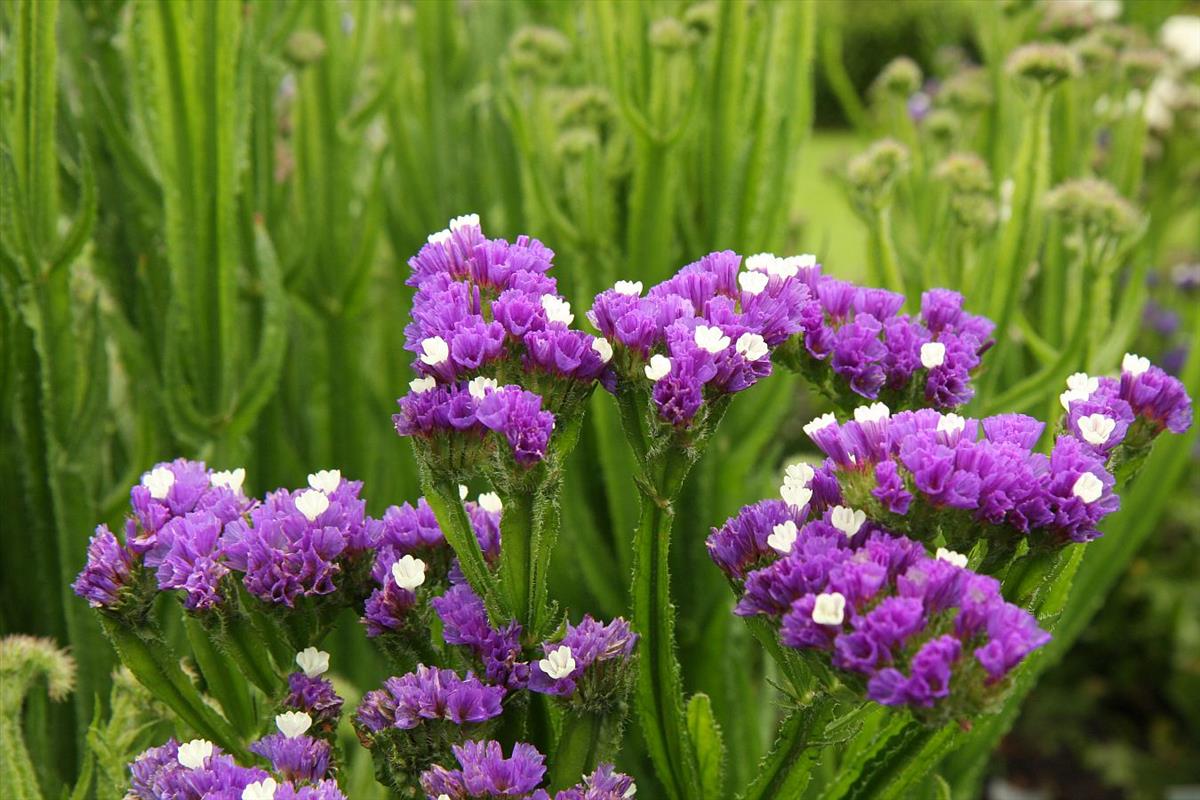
column 485, row 772
column 177, row 488
column 603, row 784
column 188, row 554
column 296, row 758
column 586, row 644
column 430, row 694
column 315, row 696
column 465, row 622
column 107, row 572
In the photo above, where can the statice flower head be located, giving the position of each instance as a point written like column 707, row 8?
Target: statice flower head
column 905, row 624
column 106, row 579
column 189, row 771
column 430, row 694
column 484, row 772
column 1158, row 399
column 605, row 783
column 465, row 622
column 706, row 332
column 188, row 557
column 316, row 697
column 292, row 753
column 589, row 664
column 177, row 488
column 757, row 534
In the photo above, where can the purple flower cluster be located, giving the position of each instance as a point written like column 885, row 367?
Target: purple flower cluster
column 878, row 352
column 315, row 696
column 936, row 468
column 199, row 769
column 603, row 784
column 485, row 308
column 484, row 773
column 916, row 628
column 429, row 694
column 106, row 576
column 465, row 622
column 587, row 652
column 707, row 331
column 175, row 489
column 296, row 758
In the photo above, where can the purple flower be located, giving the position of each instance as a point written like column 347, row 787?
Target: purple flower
column 188, row 554
column 387, row 608
column 485, row 772
column 568, row 660
column 1155, row 396
column 431, row 694
column 741, row 543
column 175, row 772
column 315, row 696
column 518, row 416
column 177, row 488
column 296, row 758
column 603, row 784
column 105, row 577
column 321, row 790
column 465, row 622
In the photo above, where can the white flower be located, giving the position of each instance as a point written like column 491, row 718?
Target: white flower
column 463, row 491
column 795, row 496
column 799, row 473
column 783, row 536
column 1087, row 488
column 159, row 481
column 260, row 790
column 311, row 503
column 422, row 385
column 876, row 412
column 441, row 237
column 327, row 480
column 629, row 793
column 192, row 754
column 1096, row 428
column 788, row 267
column 628, row 287
column 933, row 354
column 1082, row 382
column 408, row 572
column 753, row 282
column 711, row 338
column 1134, row 364
column 490, row 502
column 231, row 479
column 479, row 386
column 559, row 663
column 603, row 349
column 557, row 309
column 847, row 520
column 1181, row 35
column 434, row 350
column 465, row 220
column 823, row 421
column 751, row 346
column 313, row 662
column 951, row 424
column 957, row 559
column 658, row 367
column 829, row 609
column 1106, row 10
column 293, row 723
column 761, row 262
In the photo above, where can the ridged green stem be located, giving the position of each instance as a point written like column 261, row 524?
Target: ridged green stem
column 578, row 749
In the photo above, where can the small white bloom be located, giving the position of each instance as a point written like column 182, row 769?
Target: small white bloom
column 434, row 350
column 957, row 559
column 658, row 367
column 557, row 309
column 951, row 424
column 823, row 421
column 260, row 790
column 751, row 346
column 559, row 663
column 783, row 536
column 1082, row 382
column 231, row 479
column 463, row 491
column 293, row 723
column 799, row 473
column 829, row 609
column 313, row 662
column 1071, row 396
column 603, row 349
column 795, row 496
column 443, row 796
column 422, row 385
column 1087, row 488
column 628, row 287
column 788, row 267
column 311, row 503
column 1181, row 35
column 464, row 221
column 442, row 237
column 1134, row 364
column 408, row 572
column 159, row 481
column 876, row 412
column 630, row 792
column 479, row 386
column 711, row 338
column 490, row 502
column 761, row 262
column 847, row 520
column 933, row 354
column 192, row 754
column 327, row 480
column 753, row 282
column 1096, row 428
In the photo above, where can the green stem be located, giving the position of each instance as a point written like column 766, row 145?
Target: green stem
column 884, row 250
column 447, row 506
column 578, row 748
column 516, row 527
column 20, row 781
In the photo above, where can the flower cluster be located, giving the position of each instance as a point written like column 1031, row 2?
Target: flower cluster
column 483, row 773
column 591, row 661
column 429, row 694
column 485, row 314
column 465, row 623
column 198, row 769
column 861, row 338
column 922, row 632
column 309, row 692
column 707, row 331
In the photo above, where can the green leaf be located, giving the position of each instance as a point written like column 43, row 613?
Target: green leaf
column 705, row 737
column 85, row 218
column 226, row 685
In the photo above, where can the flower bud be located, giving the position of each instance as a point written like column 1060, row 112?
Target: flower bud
column 900, row 77
column 1093, row 204
column 670, row 35
column 1046, row 63
column 873, row 171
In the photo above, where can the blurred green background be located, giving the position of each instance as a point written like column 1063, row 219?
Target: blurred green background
column 207, row 211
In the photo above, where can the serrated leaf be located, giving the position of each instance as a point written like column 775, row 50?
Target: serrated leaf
column 705, row 737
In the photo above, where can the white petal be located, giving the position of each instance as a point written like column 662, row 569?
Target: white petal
column 230, row 479
column 327, row 480
column 957, row 559
column 434, row 350
column 603, row 349
column 159, row 481
column 1096, row 428
column 1134, row 364
column 933, row 354
column 464, row 221
column 559, row 663
column 751, row 346
column 557, row 309
column 821, row 422
column 260, row 790
column 479, row 386
column 408, row 572
column 311, row 503
column 293, row 723
column 422, row 385
column 876, row 412
column 795, row 496
column 951, row 424
column 490, row 502
column 753, row 282
column 313, row 662
column 847, row 520
column 783, row 536
column 442, row 237
column 658, row 367
column 1088, row 488
column 628, row 287
column 829, row 609
column 192, row 754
